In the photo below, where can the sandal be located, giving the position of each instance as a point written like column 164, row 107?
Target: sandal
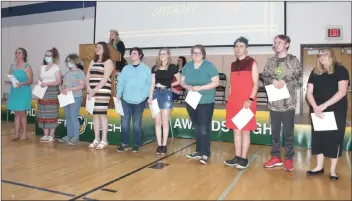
column 102, row 145
column 94, row 144
column 24, row 137
column 16, row 138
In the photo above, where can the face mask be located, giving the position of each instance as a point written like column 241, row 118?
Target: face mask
column 48, row 59
column 70, row 65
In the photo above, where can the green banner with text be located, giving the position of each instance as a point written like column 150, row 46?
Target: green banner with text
column 180, row 126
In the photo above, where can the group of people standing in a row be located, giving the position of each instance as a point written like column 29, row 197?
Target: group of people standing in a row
column 138, row 85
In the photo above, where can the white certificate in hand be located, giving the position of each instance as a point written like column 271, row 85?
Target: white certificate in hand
column 242, row 118
column 13, row 79
column 66, row 99
column 154, row 108
column 193, row 98
column 39, row 91
column 118, row 106
column 327, row 123
column 275, row 94
column 90, row 105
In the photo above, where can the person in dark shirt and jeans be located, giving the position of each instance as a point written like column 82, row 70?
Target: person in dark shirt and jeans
column 162, row 82
column 280, row 70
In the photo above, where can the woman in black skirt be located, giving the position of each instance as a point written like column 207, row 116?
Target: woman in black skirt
column 326, row 92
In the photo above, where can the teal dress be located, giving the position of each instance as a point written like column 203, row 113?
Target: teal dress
column 20, row 98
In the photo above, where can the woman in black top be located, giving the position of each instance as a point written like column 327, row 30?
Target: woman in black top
column 119, row 46
column 326, row 92
column 162, row 77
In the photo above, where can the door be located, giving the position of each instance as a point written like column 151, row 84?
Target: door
column 346, row 60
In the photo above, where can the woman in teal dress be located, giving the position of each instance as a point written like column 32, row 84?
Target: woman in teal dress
column 20, row 96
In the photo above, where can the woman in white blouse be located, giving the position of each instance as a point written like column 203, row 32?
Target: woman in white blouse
column 48, row 106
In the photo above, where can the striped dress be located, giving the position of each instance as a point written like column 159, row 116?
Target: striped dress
column 48, row 106
column 102, row 97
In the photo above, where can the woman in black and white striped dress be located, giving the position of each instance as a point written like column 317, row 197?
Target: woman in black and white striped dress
column 98, row 84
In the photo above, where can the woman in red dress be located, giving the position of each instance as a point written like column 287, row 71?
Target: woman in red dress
column 243, row 94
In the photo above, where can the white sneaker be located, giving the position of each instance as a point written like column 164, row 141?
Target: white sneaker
column 44, row 138
column 50, row 139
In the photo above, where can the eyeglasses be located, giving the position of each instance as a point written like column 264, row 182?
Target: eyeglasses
column 323, row 54
column 196, row 53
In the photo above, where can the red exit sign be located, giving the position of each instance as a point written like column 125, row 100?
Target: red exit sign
column 334, row 33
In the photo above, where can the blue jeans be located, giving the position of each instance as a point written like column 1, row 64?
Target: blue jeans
column 71, row 115
column 164, row 98
column 134, row 111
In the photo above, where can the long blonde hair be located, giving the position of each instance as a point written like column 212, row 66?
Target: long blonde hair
column 158, row 63
column 117, row 37
column 319, row 68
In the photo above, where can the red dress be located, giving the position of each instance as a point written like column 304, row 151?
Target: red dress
column 241, row 89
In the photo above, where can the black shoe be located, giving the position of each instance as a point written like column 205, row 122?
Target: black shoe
column 135, row 149
column 233, row 162
column 163, row 150
column 242, row 163
column 334, row 178
column 158, row 150
column 312, row 173
column 122, row 148
column 204, row 159
column 194, row 155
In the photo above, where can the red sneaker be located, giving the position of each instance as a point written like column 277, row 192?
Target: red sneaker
column 288, row 166
column 273, row 162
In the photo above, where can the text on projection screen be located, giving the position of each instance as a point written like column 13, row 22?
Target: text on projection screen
column 158, row 24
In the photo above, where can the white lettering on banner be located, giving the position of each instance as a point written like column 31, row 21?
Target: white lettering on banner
column 187, row 124
column 262, row 129
column 224, row 129
column 30, row 112
column 266, row 127
column 183, row 123
column 114, row 128
column 216, row 126
column 111, row 127
column 91, row 125
column 60, row 121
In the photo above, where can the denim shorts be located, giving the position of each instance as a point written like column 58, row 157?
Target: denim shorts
column 164, row 98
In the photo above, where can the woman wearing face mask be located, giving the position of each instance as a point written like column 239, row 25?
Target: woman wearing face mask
column 98, row 85
column 20, row 96
column 73, row 81
column 162, row 77
column 48, row 106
